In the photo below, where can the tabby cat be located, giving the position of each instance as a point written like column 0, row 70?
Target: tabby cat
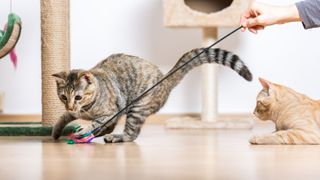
column 97, row 94
column 295, row 115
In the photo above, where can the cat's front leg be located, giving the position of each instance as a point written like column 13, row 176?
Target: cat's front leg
column 291, row 136
column 62, row 122
column 131, row 131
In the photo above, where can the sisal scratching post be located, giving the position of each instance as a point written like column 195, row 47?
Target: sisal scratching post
column 55, row 47
column 208, row 15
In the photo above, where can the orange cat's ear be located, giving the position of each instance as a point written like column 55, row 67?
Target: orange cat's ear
column 265, row 84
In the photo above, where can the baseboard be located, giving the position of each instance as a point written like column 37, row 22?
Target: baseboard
column 20, row 118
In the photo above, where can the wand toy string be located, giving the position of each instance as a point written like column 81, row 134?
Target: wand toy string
column 164, row 78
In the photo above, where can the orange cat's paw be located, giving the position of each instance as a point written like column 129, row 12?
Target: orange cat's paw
column 254, row 140
column 262, row 140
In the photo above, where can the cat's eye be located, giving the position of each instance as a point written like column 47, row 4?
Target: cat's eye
column 77, row 98
column 63, row 97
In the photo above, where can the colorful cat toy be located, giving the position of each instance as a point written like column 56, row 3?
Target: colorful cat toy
column 85, row 138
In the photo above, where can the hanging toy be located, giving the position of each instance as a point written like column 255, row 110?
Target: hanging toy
column 9, row 37
column 13, row 58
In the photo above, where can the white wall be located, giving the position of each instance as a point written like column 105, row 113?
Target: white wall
column 287, row 54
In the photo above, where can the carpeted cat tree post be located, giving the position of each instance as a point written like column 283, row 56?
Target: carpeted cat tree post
column 55, row 55
column 208, row 15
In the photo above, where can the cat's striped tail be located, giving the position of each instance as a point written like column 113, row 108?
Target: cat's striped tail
column 212, row 55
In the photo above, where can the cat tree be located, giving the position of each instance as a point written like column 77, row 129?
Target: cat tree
column 55, row 57
column 208, row 15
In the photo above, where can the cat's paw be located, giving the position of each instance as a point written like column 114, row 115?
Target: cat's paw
column 116, row 138
column 55, row 136
column 254, row 140
column 55, row 133
column 113, row 138
column 261, row 140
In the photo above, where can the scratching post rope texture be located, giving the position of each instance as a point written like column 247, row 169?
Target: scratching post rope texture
column 55, row 48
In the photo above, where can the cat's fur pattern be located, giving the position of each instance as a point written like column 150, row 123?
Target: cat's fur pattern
column 108, row 87
column 295, row 115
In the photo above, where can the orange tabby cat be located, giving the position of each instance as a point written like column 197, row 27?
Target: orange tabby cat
column 296, row 116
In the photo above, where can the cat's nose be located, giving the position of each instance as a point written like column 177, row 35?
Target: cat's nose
column 70, row 107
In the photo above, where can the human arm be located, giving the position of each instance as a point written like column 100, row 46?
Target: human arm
column 260, row 15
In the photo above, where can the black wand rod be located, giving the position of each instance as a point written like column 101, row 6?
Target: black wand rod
column 164, row 78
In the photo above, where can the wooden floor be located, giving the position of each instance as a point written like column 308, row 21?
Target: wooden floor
column 159, row 153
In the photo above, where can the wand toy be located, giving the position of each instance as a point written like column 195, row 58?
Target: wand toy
column 88, row 137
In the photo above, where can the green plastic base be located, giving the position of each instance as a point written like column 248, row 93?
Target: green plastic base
column 31, row 131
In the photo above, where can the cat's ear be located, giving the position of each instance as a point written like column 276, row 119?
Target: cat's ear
column 265, row 84
column 60, row 77
column 86, row 76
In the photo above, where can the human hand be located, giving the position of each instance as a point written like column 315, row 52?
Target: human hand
column 260, row 15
